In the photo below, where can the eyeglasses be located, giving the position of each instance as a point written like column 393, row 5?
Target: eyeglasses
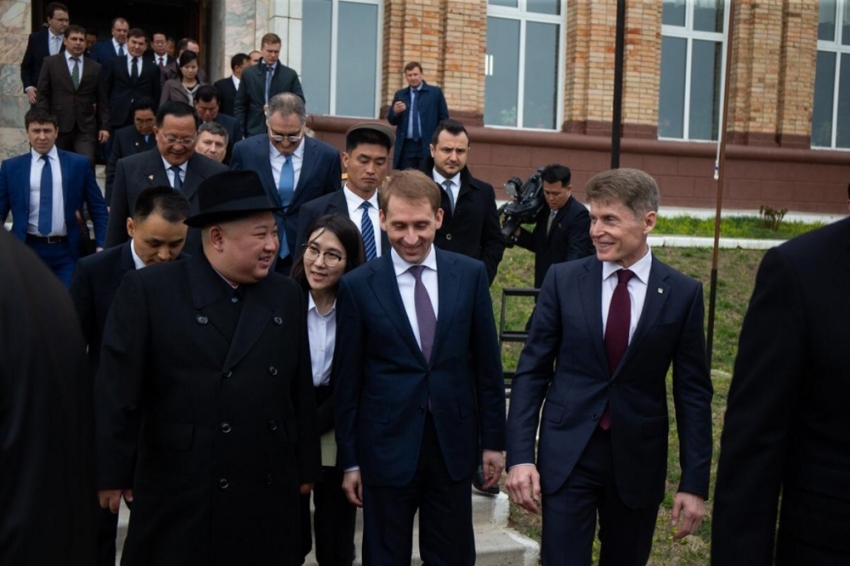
column 312, row 253
column 277, row 138
column 185, row 142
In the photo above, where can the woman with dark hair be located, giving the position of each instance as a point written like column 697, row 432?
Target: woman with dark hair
column 333, row 248
column 183, row 88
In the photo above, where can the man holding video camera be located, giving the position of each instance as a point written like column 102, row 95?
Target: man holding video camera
column 562, row 231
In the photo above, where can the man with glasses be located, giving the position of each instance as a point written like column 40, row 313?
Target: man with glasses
column 159, row 53
column 294, row 169
column 173, row 163
column 42, row 44
column 132, row 139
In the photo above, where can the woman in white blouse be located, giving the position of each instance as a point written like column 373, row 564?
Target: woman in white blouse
column 334, row 248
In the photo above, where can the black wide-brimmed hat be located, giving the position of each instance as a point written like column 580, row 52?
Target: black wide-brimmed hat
column 230, row 195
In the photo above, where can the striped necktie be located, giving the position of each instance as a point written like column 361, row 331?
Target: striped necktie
column 367, row 230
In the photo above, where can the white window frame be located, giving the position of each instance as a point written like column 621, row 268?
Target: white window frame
column 840, row 51
column 688, row 33
column 520, row 13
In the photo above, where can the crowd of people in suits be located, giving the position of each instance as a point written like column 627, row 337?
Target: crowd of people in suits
column 261, row 334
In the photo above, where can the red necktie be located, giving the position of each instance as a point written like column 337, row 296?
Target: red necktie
column 617, row 330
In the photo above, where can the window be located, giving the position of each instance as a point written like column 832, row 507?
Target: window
column 692, row 61
column 831, row 110
column 525, row 55
column 340, row 56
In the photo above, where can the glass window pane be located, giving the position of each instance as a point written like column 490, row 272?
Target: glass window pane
column 822, row 108
column 842, row 121
column 705, row 90
column 671, row 99
column 357, row 52
column 673, row 13
column 541, row 73
column 708, row 15
column 826, row 20
column 501, row 91
column 544, row 6
column 845, row 25
column 316, row 55
column 508, row 3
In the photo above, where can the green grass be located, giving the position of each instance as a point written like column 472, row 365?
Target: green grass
column 731, row 227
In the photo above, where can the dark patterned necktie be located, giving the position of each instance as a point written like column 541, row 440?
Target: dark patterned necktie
column 425, row 317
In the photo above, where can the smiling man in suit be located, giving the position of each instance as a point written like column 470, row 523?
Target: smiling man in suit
column 294, row 168
column 42, row 44
column 133, row 139
column 419, row 385
column 367, row 162
column 130, row 78
column 173, row 163
column 604, row 334
column 72, row 87
column 45, row 190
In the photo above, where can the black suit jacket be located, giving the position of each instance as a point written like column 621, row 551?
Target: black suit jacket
column 138, row 172
column 126, row 141
column 104, row 52
column 210, row 415
column 568, row 240
column 251, row 96
column 787, row 423
column 234, row 133
column 333, row 203
column 37, row 50
column 564, row 363
column 226, row 95
column 473, row 229
column 123, row 91
column 46, row 423
column 86, row 107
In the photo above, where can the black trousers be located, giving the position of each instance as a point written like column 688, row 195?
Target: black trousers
column 445, row 514
column 569, row 515
column 411, row 155
column 333, row 522
column 107, row 531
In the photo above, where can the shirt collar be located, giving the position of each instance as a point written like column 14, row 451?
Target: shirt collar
column 68, row 57
column 640, row 268
column 297, row 154
column 117, row 46
column 52, row 154
column 137, row 261
column 355, row 201
column 400, row 265
column 439, row 179
column 168, row 166
column 311, row 306
column 419, row 88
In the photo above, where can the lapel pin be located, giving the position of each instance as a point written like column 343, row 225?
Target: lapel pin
column 150, row 177
column 660, row 291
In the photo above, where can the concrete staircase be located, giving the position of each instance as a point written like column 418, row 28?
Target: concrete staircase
column 495, row 543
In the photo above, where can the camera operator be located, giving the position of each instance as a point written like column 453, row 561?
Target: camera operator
column 562, row 232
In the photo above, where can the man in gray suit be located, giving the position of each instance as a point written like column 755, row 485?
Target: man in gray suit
column 173, row 163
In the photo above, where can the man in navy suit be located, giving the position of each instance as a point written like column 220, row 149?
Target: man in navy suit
column 419, row 385
column 227, row 87
column 294, row 169
column 105, row 51
column 130, row 78
column 367, row 162
column 207, row 104
column 45, row 189
column 602, row 339
column 157, row 235
column 130, row 140
column 42, row 44
column 415, row 112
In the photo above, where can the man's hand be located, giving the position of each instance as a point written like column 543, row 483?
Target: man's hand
column 524, row 486
column 688, row 512
column 399, row 107
column 353, row 487
column 493, row 463
column 305, row 488
column 102, row 136
column 31, row 94
column 111, row 498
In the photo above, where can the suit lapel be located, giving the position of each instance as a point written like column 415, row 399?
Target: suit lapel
column 384, row 284
column 192, row 180
column 559, row 216
column 208, row 295
column 252, row 323
column 265, row 167
column 657, row 292
column 448, row 283
column 590, row 294
column 156, row 174
column 307, row 166
column 68, row 202
column 125, row 263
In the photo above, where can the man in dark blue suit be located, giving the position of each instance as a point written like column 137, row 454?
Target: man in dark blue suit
column 294, row 168
column 45, row 189
column 130, row 78
column 602, row 339
column 419, row 385
column 41, row 44
column 208, row 107
column 415, row 112
column 228, row 86
column 105, row 51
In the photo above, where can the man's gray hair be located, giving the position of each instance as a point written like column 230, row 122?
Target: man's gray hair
column 214, row 128
column 287, row 103
column 635, row 189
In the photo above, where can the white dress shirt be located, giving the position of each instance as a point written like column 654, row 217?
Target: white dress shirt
column 407, row 285
column 355, row 212
column 137, row 261
column 71, row 64
column 163, row 59
column 321, row 331
column 58, row 222
column 236, row 80
column 116, row 46
column 636, row 286
column 439, row 179
column 277, row 160
column 170, row 173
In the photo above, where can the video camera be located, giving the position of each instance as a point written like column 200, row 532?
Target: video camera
column 527, row 204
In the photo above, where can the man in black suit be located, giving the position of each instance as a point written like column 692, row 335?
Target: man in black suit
column 173, row 163
column 294, row 168
column 42, row 44
column 367, row 162
column 562, row 231
column 72, row 87
column 105, row 51
column 785, row 445
column 131, row 77
column 207, row 104
column 159, row 52
column 227, row 87
column 207, row 416
column 157, row 235
column 132, row 139
column 46, row 422
column 260, row 84
column 602, row 339
column 470, row 222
